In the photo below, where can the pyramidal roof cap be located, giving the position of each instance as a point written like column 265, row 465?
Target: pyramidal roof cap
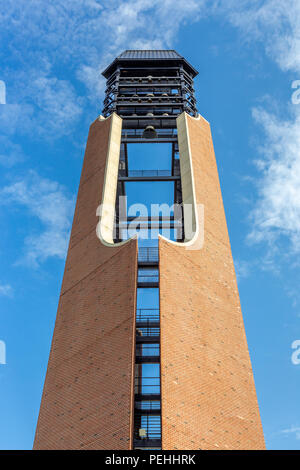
column 150, row 54
column 158, row 55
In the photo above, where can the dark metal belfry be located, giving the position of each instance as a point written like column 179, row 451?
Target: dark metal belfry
column 149, row 90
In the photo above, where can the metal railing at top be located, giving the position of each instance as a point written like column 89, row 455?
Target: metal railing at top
column 147, row 427
column 147, row 385
column 147, row 330
column 148, row 254
column 146, row 350
column 136, row 81
column 137, row 173
column 147, row 405
column 148, row 276
column 139, row 132
column 147, row 315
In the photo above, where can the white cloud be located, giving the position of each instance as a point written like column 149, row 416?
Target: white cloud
column 242, row 269
column 6, row 290
column 292, row 430
column 46, row 107
column 277, row 213
column 59, row 40
column 48, row 202
column 15, row 118
column 137, row 24
column 58, row 107
column 10, row 153
column 274, row 22
column 86, row 35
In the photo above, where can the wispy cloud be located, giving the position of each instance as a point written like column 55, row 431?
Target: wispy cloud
column 49, row 203
column 277, row 213
column 137, row 24
column 292, row 430
column 57, row 106
column 85, row 35
column 52, row 46
column 71, row 41
column 6, row 290
column 10, row 153
column 46, row 107
column 273, row 22
column 242, row 269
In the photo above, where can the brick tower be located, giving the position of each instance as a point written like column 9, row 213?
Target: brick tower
column 173, row 373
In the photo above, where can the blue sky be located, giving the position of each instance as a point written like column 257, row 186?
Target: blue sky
column 248, row 56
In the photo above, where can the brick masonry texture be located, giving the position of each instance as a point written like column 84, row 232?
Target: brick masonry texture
column 87, row 400
column 208, row 392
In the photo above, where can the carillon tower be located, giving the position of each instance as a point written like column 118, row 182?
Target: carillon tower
column 149, row 349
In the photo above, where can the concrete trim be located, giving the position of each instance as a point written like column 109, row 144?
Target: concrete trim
column 106, row 211
column 187, row 183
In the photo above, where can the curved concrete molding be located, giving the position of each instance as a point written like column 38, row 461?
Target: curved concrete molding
column 106, row 211
column 193, row 213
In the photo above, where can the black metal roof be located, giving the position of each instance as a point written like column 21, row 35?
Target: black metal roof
column 146, row 54
column 161, row 57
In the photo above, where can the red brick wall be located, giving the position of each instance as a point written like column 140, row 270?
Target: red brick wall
column 208, row 392
column 87, row 401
